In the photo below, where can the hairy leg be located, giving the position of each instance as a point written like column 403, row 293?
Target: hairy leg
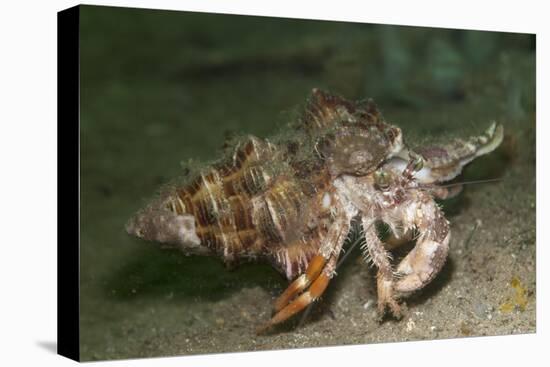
column 376, row 252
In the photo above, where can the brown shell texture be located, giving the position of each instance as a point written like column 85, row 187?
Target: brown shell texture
column 264, row 199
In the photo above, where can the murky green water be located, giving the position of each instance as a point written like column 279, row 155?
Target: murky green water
column 162, row 87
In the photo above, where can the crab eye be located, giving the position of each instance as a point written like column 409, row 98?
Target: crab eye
column 381, row 180
column 418, row 163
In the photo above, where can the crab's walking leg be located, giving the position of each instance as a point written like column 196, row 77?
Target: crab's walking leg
column 316, row 278
column 313, row 270
column 314, row 291
column 426, row 259
column 377, row 253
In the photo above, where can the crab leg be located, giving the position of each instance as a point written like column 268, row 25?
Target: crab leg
column 426, row 259
column 313, row 293
column 316, row 278
column 302, row 282
column 376, row 252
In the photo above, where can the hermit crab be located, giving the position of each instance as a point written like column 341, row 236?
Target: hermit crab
column 292, row 200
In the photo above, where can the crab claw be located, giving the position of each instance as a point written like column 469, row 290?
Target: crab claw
column 421, row 265
column 427, row 258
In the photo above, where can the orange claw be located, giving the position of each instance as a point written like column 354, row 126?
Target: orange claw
column 311, row 295
column 313, row 270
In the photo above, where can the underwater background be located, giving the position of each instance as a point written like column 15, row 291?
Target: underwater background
column 159, row 88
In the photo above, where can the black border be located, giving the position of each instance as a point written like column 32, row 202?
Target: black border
column 68, row 193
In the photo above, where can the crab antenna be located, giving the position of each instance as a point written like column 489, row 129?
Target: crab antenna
column 472, row 182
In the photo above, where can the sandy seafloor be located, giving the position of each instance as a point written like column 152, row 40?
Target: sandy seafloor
column 160, row 88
